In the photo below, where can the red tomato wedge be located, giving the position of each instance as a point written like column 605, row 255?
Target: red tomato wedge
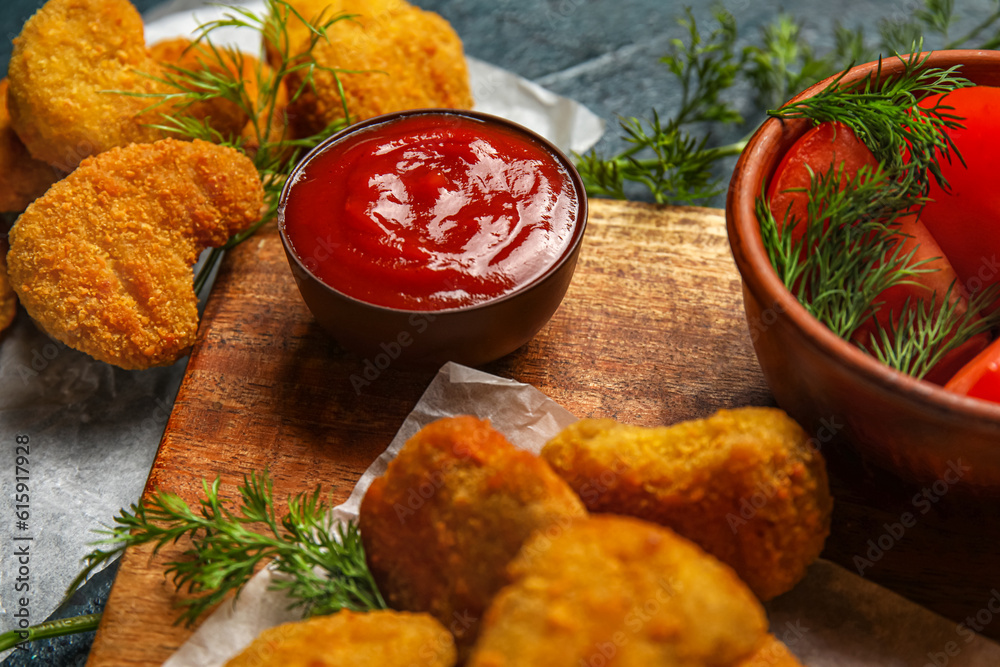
column 823, row 145
column 965, row 219
column 835, row 143
column 980, row 378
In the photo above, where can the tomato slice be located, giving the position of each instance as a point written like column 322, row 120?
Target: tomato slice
column 823, row 145
column 980, row 378
column 965, row 219
column 836, row 144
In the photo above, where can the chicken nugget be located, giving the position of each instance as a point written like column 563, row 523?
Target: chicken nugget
column 102, row 261
column 392, row 57
column 22, row 178
column 293, row 40
column 371, row 639
column 618, row 591
column 8, row 299
column 76, row 81
column 223, row 115
column 451, row 511
column 744, row 484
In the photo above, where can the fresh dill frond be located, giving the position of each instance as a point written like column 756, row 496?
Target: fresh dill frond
column 680, row 170
column 884, row 114
column 850, row 250
column 322, row 567
column 706, row 67
column 784, row 63
column 928, row 330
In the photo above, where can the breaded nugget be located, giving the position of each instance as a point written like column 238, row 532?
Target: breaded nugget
column 615, row 590
column 450, row 512
column 224, row 116
column 772, row 654
column 22, row 178
column 68, row 57
column 296, row 34
column 744, row 484
column 103, row 260
column 8, row 300
column 392, row 57
column 372, row 639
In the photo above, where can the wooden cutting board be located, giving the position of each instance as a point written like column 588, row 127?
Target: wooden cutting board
column 651, row 332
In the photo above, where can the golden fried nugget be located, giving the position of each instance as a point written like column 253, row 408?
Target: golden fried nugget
column 295, row 37
column 224, row 116
column 391, row 57
column 451, row 511
column 614, row 590
column 22, row 178
column 103, row 260
column 744, row 484
column 68, row 57
column 8, row 300
column 771, row 654
column 372, row 639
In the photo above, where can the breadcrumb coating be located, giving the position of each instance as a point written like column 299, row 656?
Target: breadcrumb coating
column 68, row 58
column 390, row 56
column 8, row 299
column 619, row 591
column 22, row 178
column 746, row 485
column 451, row 511
column 103, row 260
column 372, row 639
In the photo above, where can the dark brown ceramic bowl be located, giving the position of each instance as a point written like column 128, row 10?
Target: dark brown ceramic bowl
column 470, row 335
column 832, row 388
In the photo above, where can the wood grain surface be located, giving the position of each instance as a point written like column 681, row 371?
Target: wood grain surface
column 651, row 332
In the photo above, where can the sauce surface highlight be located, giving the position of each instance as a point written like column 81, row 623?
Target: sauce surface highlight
column 431, row 211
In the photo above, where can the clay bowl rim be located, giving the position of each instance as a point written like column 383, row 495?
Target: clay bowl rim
column 763, row 283
column 579, row 227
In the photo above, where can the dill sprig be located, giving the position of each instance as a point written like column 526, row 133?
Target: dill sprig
column 927, row 330
column 261, row 99
column 679, row 172
column 850, row 250
column 680, row 169
column 322, row 567
column 884, row 114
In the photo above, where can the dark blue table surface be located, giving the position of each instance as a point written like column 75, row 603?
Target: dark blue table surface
column 603, row 53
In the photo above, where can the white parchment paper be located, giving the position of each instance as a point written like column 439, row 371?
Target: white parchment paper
column 833, row 618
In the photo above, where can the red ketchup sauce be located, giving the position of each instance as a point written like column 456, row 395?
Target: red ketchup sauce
column 431, row 211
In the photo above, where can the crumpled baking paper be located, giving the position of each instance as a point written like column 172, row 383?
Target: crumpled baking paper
column 833, row 618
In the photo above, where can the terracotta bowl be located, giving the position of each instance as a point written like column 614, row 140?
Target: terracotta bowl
column 471, row 335
column 836, row 391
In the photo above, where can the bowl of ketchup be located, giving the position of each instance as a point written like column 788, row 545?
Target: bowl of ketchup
column 433, row 235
